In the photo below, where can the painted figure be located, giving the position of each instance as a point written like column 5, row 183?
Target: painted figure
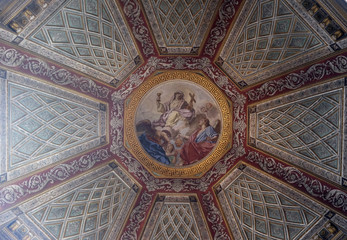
column 174, row 110
column 153, row 141
column 176, row 130
column 200, row 143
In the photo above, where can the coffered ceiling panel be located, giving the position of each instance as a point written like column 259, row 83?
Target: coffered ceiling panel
column 304, row 130
column 47, row 124
column 258, row 208
column 176, row 217
column 93, row 208
column 270, row 35
column 173, row 119
column 179, row 26
column 85, row 30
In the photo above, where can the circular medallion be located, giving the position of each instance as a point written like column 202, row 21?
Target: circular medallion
column 177, row 124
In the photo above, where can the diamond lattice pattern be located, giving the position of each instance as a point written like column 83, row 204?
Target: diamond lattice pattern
column 263, row 213
column 85, row 213
column 309, row 129
column 85, row 31
column 176, row 221
column 179, row 20
column 272, row 34
column 42, row 124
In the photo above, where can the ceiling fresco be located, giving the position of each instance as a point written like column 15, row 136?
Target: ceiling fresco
column 182, row 137
column 173, row 119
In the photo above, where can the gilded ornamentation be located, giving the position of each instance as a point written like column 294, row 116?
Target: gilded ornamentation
column 177, row 185
column 10, row 194
column 294, row 176
column 192, row 170
column 12, row 58
column 296, row 80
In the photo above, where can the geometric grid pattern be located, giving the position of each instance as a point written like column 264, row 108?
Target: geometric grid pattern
column 309, row 128
column 85, row 31
column 42, row 124
column 17, row 230
column 263, row 213
column 176, row 221
column 272, row 34
column 179, row 20
column 84, row 213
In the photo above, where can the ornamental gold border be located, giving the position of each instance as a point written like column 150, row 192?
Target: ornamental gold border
column 160, row 170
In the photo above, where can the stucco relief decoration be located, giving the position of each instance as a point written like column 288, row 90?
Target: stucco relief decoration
column 12, row 58
column 175, row 127
column 296, row 80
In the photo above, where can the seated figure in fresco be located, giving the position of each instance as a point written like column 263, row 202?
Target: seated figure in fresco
column 200, row 143
column 174, row 110
column 153, row 141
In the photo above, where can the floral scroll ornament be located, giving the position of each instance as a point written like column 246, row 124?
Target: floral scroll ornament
column 136, row 217
column 10, row 194
column 132, row 11
column 14, row 59
column 296, row 80
column 292, row 175
column 215, row 217
column 217, row 34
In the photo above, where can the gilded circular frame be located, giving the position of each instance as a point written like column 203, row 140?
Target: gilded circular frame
column 160, row 170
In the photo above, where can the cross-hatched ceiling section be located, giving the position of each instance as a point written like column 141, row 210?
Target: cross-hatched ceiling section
column 85, row 30
column 307, row 129
column 87, row 212
column 257, row 206
column 176, row 217
column 43, row 124
column 263, row 213
column 48, row 124
column 271, row 34
column 178, row 26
